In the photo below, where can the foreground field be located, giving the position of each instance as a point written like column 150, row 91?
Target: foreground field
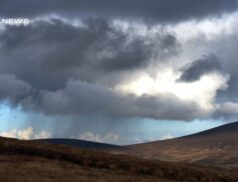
column 36, row 169
column 37, row 161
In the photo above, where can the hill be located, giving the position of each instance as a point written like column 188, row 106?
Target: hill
column 81, row 144
column 38, row 161
column 217, row 146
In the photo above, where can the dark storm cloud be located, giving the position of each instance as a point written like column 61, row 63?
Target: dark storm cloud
column 225, row 48
column 162, row 10
column 131, row 56
column 83, row 98
column 193, row 71
column 12, row 89
column 47, row 54
column 64, row 64
column 70, row 72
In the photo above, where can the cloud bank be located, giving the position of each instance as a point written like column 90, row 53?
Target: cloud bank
column 25, row 134
column 160, row 10
column 163, row 60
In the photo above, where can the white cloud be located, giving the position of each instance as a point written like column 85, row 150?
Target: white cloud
column 201, row 92
column 107, row 138
column 228, row 107
column 151, row 139
column 165, row 137
column 196, row 39
column 26, row 134
column 209, row 29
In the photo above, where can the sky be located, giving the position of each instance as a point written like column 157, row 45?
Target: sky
column 119, row 72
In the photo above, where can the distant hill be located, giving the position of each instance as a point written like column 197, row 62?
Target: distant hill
column 82, row 144
column 230, row 128
column 217, row 146
column 39, row 161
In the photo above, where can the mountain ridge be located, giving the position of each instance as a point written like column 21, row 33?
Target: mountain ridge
column 216, row 146
column 81, row 143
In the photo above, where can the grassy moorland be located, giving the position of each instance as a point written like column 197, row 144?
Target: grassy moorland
column 37, row 161
column 217, row 147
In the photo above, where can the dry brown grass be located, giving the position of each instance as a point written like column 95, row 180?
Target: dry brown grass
column 218, row 146
column 36, row 169
column 47, row 162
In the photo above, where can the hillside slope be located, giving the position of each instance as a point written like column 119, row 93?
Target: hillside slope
column 38, row 161
column 217, row 146
column 81, row 143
